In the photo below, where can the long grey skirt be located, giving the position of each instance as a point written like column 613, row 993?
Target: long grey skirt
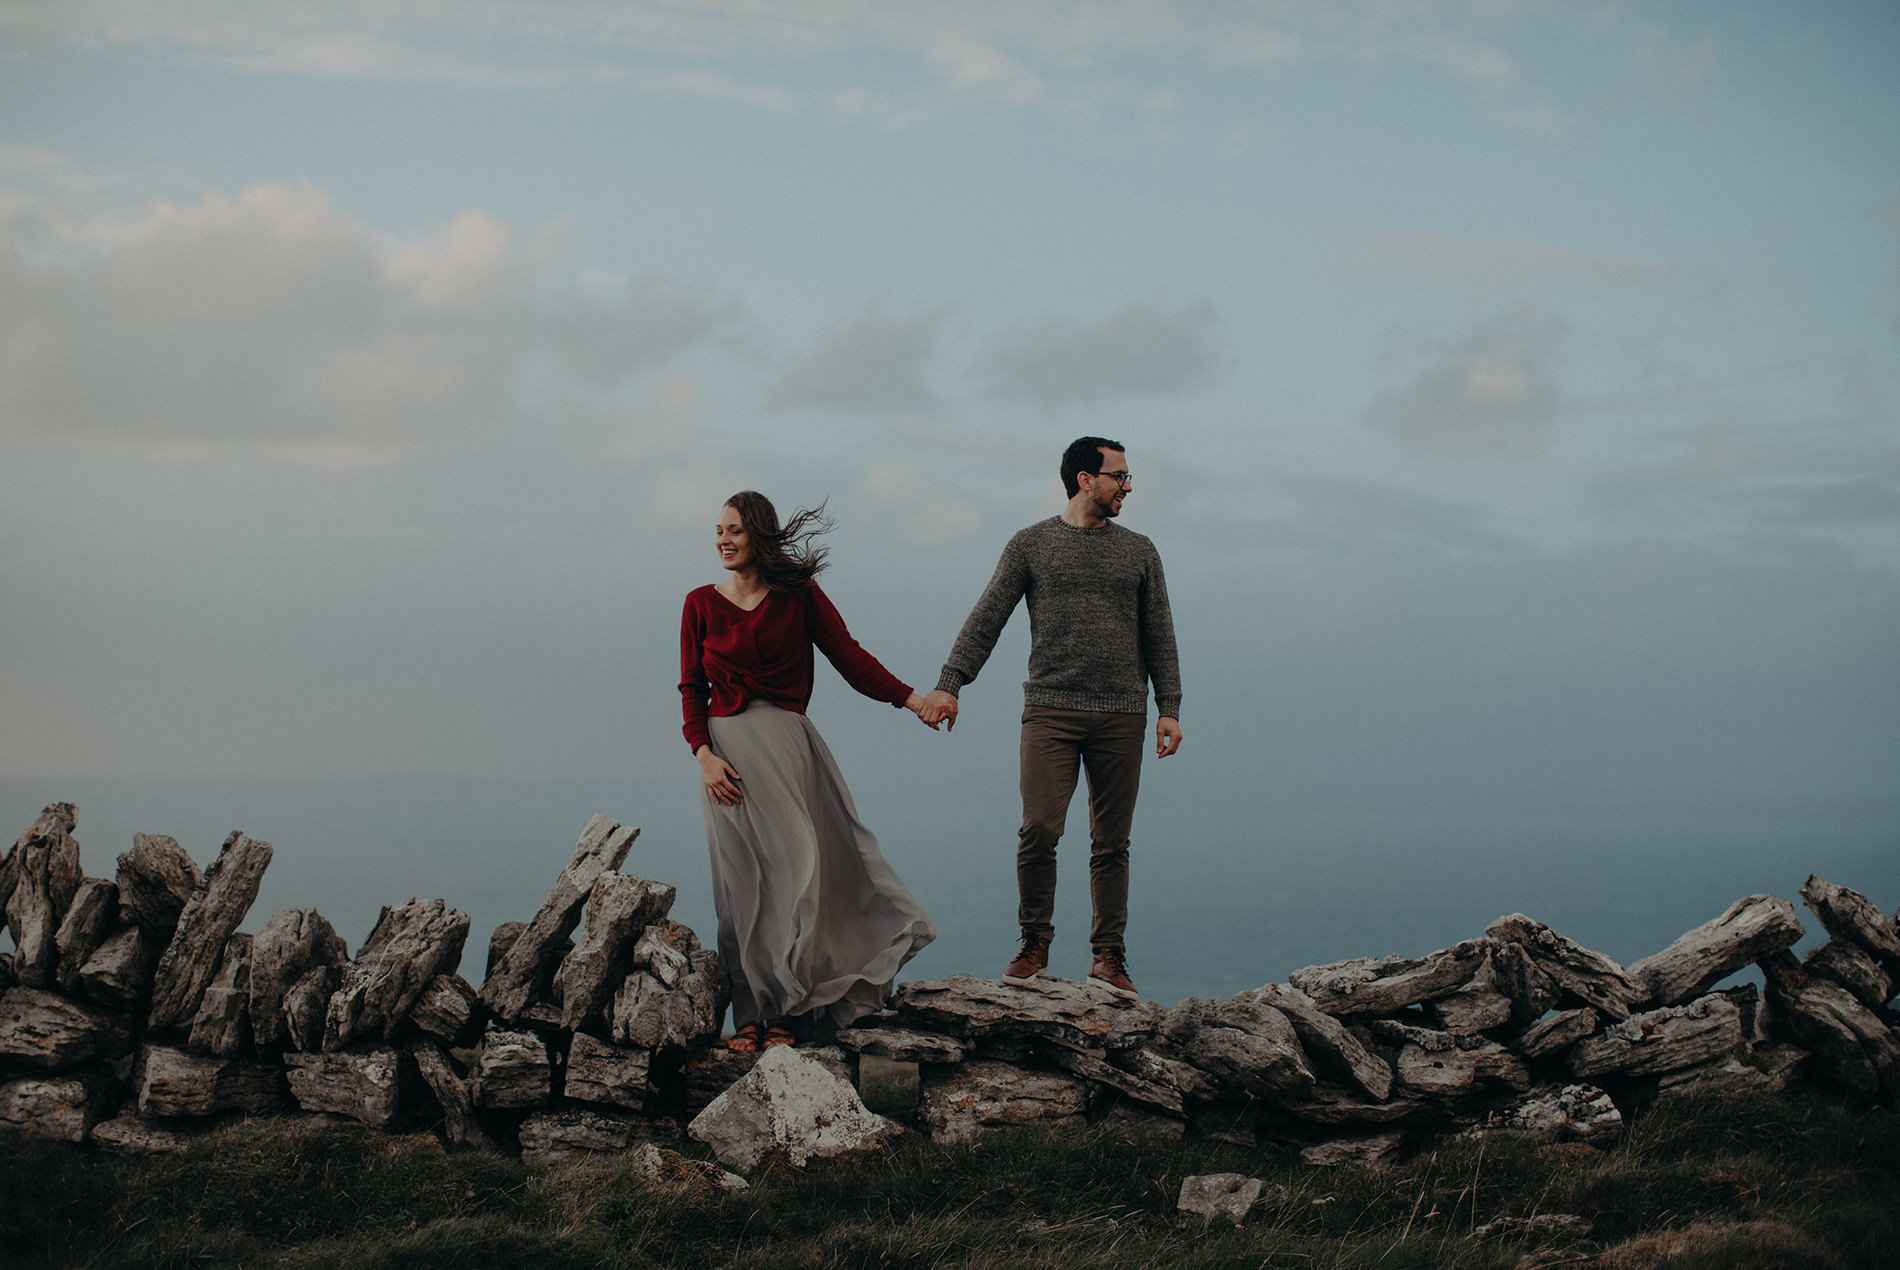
column 811, row 915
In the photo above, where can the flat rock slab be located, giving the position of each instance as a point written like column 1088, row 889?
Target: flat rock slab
column 658, row 1166
column 412, row 943
column 92, row 917
column 1227, row 1196
column 1450, row 1071
column 118, row 975
column 1329, row 1045
column 1754, row 927
column 1661, row 1040
column 42, row 1031
column 1855, row 969
column 1094, row 1067
column 1568, row 1113
column 171, row 1082
column 1371, row 1150
column 1243, row 1043
column 790, row 1110
column 1851, row 1044
column 1063, row 1009
column 549, row 1138
column 960, row 1102
column 366, row 1085
column 533, row 954
column 62, row 1107
column 1589, row 976
column 213, row 913
column 602, row 1073
column 129, row 1133
column 1549, row 1035
column 512, row 1070
column 1851, row 916
column 222, row 1024
column 905, row 1044
column 1366, row 985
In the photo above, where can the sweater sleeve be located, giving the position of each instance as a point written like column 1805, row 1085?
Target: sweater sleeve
column 861, row 670
column 1157, row 641
column 695, row 691
column 986, row 621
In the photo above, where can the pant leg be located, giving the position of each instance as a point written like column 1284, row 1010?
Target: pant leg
column 1112, row 756
column 1051, row 761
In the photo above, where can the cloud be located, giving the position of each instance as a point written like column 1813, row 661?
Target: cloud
column 1495, row 390
column 1141, row 350
column 916, row 511
column 274, row 324
column 874, row 363
column 1489, row 266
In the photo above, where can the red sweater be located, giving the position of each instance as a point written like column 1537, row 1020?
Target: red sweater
column 729, row 656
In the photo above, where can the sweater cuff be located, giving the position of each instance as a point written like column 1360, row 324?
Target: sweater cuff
column 950, row 680
column 1168, row 708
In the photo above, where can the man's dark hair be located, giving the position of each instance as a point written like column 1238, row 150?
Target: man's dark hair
column 1085, row 455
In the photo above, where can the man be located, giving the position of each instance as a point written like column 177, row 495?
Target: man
column 1100, row 630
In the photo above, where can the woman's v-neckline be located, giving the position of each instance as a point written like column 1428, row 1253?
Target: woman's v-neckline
column 763, row 596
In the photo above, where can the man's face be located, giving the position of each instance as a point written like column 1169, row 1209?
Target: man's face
column 1107, row 489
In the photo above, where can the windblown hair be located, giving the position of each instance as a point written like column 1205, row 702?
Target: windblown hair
column 786, row 557
column 1084, row 455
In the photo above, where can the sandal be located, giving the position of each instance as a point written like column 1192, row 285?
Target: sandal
column 779, row 1033
column 745, row 1040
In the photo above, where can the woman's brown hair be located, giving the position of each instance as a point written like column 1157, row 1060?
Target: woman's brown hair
column 787, row 558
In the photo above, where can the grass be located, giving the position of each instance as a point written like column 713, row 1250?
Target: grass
column 1711, row 1178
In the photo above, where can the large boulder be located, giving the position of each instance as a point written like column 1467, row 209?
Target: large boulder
column 44, row 1032
column 1367, row 985
column 1047, row 1006
column 790, row 1110
column 411, row 944
column 42, row 877
column 1754, row 927
column 213, row 913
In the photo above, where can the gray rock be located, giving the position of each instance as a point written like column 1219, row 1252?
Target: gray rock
column 657, row 1166
column 663, row 953
column 1517, row 976
column 448, row 1011
column 603, row 1073
column 44, row 1032
column 788, row 1110
column 649, row 1015
column 1478, row 1006
column 510, row 986
column 1549, row 1035
column 1098, row 1069
column 157, row 878
column 904, row 1044
column 1227, row 1196
column 63, row 1107
column 293, row 942
column 1550, row 1113
column 411, row 944
column 366, row 1085
column 1853, row 968
column 1370, row 1151
column 43, row 878
column 307, row 1006
column 129, row 1133
column 1243, row 1043
column 1457, row 1069
column 1329, row 1045
column 710, row 1072
column 1368, row 986
column 512, row 1070
column 214, row 911
column 1332, row 1105
column 171, row 1082
column 1753, row 927
column 459, row 1124
column 222, row 1024
column 1046, row 1006
column 619, row 910
column 959, row 1102
column 1662, row 1040
column 91, row 918
column 549, row 1138
column 1589, row 976
column 1851, row 1044
column 118, row 975
column 1851, row 916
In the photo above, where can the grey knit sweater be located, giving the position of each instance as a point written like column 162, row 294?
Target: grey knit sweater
column 1099, row 625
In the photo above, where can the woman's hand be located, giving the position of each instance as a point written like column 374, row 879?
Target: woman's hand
column 930, row 711
column 722, row 783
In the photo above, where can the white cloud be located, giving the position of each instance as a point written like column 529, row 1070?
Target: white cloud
column 1495, row 390
column 1488, row 266
column 874, row 363
column 1140, row 350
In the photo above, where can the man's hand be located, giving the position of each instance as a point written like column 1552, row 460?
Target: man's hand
column 939, row 706
column 1167, row 736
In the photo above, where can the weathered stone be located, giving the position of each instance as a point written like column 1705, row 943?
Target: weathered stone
column 367, row 1085
column 904, row 1044
column 1589, row 976
column 307, row 1006
column 44, row 877
column 1851, row 1044
column 157, row 878
column 959, row 1102
column 1328, row 1044
column 619, row 910
column 1536, row 1226
column 1549, row 1113
column 90, row 919
column 214, row 911
column 1457, row 1068
column 1754, row 927
column 1851, row 916
column 1532, row 992
column 1094, row 1067
column 549, row 1138
column 500, row 942
column 661, row 953
column 222, row 1024
column 292, row 942
column 599, row 1072
column 459, row 1125
column 1477, row 1006
column 167, row 1081
column 63, row 1107
column 1062, row 1009
column 1332, row 1105
column 1853, row 968
column 511, row 985
column 129, row 1133
column 658, row 1166
column 43, row 1032
column 1370, row 1151
column 649, row 1015
column 1367, row 986
column 1242, row 1042
column 118, row 975
column 788, row 1110
column 1149, row 1064
column 447, row 1011
column 512, row 1070
column 708, row 1073
column 1548, row 1035
column 1661, row 1040
column 1227, row 1196
column 412, row 943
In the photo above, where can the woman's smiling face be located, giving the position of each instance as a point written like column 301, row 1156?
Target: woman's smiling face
column 729, row 536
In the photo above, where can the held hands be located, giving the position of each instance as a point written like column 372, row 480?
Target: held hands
column 722, row 783
column 938, row 707
column 1167, row 736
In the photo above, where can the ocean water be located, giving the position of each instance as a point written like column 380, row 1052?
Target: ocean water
column 1223, row 898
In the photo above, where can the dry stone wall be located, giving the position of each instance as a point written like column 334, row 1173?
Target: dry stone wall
column 134, row 1014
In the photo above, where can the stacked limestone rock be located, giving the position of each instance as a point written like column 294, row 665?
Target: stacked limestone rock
column 1519, row 1032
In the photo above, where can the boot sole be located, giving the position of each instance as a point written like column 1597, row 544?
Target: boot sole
column 1021, row 978
column 1126, row 994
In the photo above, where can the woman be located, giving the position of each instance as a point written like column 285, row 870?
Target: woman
column 810, row 914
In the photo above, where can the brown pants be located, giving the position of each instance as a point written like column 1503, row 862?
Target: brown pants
column 1109, row 747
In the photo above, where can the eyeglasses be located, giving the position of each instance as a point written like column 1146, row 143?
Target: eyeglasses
column 1124, row 479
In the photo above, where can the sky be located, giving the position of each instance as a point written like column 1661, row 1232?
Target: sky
column 1512, row 390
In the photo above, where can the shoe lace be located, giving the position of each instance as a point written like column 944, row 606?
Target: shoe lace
column 1033, row 942
column 1112, row 961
